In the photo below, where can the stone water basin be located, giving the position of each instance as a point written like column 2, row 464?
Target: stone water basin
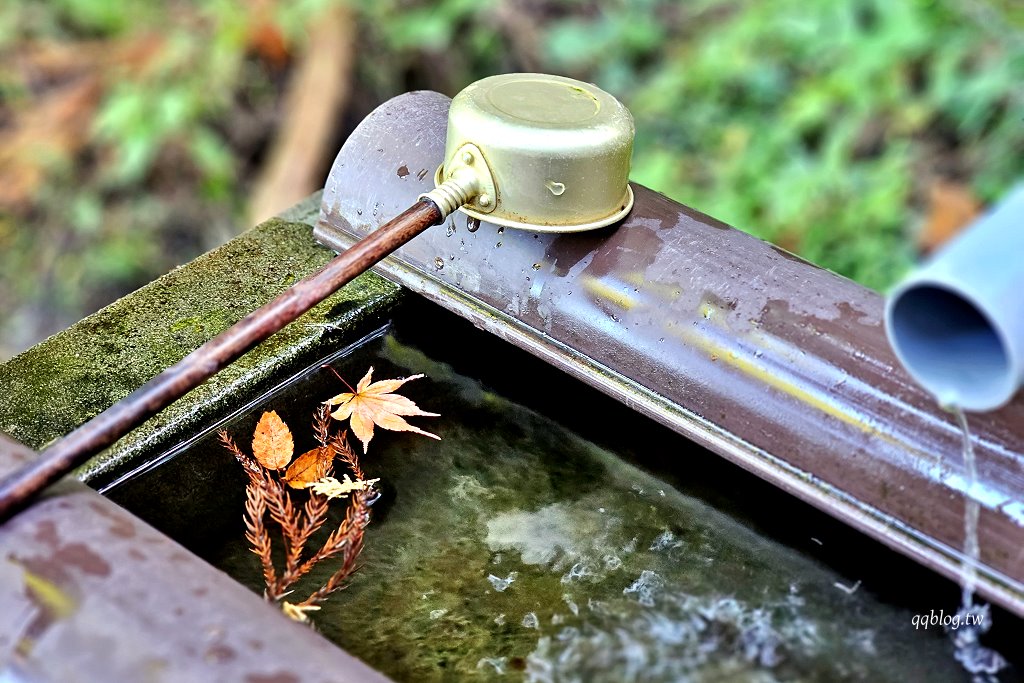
column 555, row 535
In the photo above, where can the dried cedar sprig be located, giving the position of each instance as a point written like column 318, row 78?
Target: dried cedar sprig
column 274, row 477
column 302, row 527
column 322, row 424
column 357, row 516
column 268, row 494
column 339, row 442
column 314, row 516
column 352, row 548
column 252, row 468
column 306, row 524
column 256, row 532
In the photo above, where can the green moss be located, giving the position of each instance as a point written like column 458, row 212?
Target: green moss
column 64, row 381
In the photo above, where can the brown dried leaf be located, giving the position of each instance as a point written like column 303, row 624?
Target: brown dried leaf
column 272, row 443
column 375, row 404
column 310, row 467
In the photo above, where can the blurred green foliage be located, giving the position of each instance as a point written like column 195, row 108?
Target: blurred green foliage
column 183, row 114
column 816, row 124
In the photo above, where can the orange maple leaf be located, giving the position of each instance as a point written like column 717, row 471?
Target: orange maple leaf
column 375, row 404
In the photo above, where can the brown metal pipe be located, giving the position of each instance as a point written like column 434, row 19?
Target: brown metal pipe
column 103, row 430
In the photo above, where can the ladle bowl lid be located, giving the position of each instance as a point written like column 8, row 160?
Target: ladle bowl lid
column 558, row 151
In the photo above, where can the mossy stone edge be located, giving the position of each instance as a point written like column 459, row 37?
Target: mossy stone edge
column 64, row 381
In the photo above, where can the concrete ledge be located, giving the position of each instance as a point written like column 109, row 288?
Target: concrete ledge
column 67, row 379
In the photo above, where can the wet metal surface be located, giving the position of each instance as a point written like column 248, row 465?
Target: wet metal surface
column 772, row 362
column 88, row 592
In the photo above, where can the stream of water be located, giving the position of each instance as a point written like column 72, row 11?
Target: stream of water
column 972, row 551
column 979, row 661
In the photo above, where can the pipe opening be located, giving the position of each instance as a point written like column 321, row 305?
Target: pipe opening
column 951, row 347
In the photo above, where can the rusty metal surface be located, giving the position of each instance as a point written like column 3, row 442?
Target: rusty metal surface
column 89, row 593
column 19, row 487
column 774, row 363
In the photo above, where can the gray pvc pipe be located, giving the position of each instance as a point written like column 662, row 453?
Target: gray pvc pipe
column 957, row 323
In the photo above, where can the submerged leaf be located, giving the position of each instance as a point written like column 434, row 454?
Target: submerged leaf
column 375, row 404
column 309, row 467
column 332, row 488
column 272, row 443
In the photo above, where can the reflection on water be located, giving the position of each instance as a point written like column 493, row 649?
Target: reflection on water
column 517, row 549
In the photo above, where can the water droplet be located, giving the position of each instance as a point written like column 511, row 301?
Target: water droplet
column 451, row 227
column 472, row 224
column 359, row 212
column 497, row 245
column 555, row 188
column 439, row 263
column 536, row 266
column 501, row 229
column 499, row 584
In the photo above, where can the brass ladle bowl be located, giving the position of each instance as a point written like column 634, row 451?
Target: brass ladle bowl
column 538, row 152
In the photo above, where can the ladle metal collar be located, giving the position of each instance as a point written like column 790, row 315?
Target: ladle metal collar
column 539, row 152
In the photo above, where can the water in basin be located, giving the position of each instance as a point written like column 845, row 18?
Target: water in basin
column 553, row 535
